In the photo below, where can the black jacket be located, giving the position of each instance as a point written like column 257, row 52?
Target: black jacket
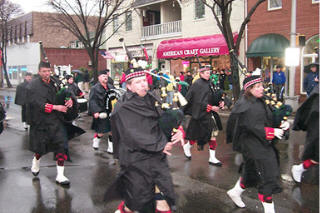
column 138, row 143
column 307, row 119
column 200, row 94
column 21, row 93
column 246, row 130
column 97, row 98
column 135, row 128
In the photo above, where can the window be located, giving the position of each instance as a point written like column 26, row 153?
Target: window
column 218, row 10
column 199, row 9
column 315, row 1
column 115, row 22
column 128, row 21
column 274, row 4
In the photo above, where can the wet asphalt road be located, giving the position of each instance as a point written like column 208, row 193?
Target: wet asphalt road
column 201, row 188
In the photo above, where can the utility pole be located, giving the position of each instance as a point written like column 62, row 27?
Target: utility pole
column 292, row 99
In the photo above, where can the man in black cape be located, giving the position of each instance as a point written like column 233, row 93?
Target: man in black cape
column 21, row 97
column 48, row 131
column 141, row 147
column 97, row 108
column 204, row 101
column 307, row 119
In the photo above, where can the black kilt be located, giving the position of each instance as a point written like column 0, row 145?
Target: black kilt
column 200, row 130
column 136, row 182
column 47, row 138
column 262, row 174
column 101, row 125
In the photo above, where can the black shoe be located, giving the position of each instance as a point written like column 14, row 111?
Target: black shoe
column 215, row 164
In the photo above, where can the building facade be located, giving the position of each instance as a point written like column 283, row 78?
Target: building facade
column 269, row 35
column 63, row 50
column 189, row 24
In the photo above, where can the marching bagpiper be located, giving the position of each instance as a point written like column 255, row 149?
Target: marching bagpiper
column 204, row 103
column 49, row 131
column 97, row 108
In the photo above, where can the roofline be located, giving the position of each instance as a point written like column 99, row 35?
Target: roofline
column 147, row 4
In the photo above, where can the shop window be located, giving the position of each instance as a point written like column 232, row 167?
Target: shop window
column 13, row 73
column 274, row 4
column 199, row 9
column 128, row 21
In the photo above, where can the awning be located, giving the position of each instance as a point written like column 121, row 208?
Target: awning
column 268, row 45
column 189, row 47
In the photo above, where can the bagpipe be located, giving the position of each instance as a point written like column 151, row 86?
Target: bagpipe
column 62, row 94
column 111, row 98
column 280, row 111
column 171, row 116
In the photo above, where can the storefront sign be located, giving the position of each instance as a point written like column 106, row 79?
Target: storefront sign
column 189, row 47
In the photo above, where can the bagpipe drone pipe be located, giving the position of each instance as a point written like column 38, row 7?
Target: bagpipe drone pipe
column 171, row 116
column 64, row 95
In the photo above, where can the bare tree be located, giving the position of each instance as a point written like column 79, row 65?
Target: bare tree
column 87, row 20
column 224, row 24
column 8, row 11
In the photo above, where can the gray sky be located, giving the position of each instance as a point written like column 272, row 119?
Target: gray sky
column 31, row 5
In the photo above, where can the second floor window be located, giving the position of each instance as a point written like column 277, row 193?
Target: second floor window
column 115, row 22
column 274, row 4
column 128, row 21
column 218, row 10
column 199, row 9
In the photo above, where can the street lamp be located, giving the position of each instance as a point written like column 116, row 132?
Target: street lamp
column 292, row 56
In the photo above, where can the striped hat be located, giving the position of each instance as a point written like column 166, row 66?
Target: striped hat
column 204, row 68
column 134, row 72
column 251, row 80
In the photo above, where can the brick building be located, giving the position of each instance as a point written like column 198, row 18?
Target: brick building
column 62, row 48
column 269, row 35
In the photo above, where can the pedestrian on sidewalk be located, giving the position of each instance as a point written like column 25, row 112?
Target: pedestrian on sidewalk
column 97, row 108
column 144, row 182
column 307, row 119
column 204, row 102
column 311, row 80
column 47, row 130
column 21, row 97
column 250, row 129
column 278, row 81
